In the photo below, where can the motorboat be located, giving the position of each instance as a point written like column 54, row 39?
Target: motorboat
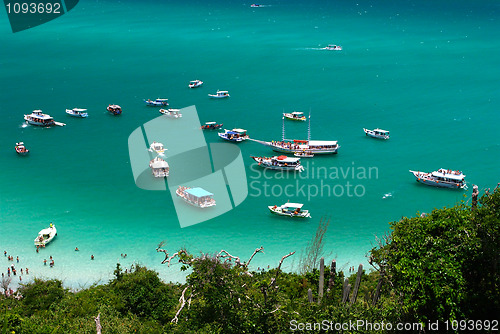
column 377, row 133
column 333, row 47
column 254, row 5
column 295, row 116
column 21, row 149
column 211, row 126
column 46, row 235
column 114, row 109
column 234, row 135
column 77, row 112
column 198, row 197
column 159, row 167
column 303, row 154
column 290, row 210
column 195, row 83
column 157, row 147
column 157, row 102
column 281, row 162
column 220, row 94
column 173, row 113
column 37, row 117
column 444, row 178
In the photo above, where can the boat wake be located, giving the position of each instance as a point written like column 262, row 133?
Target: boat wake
column 24, row 125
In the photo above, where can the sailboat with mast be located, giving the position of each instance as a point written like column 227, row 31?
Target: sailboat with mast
column 292, row 146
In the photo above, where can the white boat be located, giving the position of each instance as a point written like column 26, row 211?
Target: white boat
column 114, row 109
column 21, row 149
column 77, row 112
column 304, row 154
column 235, row 135
column 46, row 235
column 281, row 162
column 220, row 94
column 157, row 102
column 37, row 117
column 291, row 210
column 157, row 147
column 173, row 113
column 377, row 133
column 444, row 178
column 333, row 47
column 159, row 167
column 196, row 196
column 195, row 83
column 295, row 116
column 254, row 5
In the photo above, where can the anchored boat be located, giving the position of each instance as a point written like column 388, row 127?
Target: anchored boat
column 290, row 210
column 46, row 235
column 114, row 109
column 196, row 196
column 443, row 178
column 235, row 135
column 172, row 113
column 37, row 117
column 377, row 133
column 77, row 112
column 220, row 94
column 159, row 167
column 281, row 162
column 21, row 149
column 157, row 102
column 211, row 126
column 295, row 116
column 195, row 83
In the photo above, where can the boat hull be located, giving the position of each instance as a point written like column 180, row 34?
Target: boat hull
column 79, row 115
column 281, row 149
column 372, row 134
column 279, row 212
column 235, row 140
column 424, row 178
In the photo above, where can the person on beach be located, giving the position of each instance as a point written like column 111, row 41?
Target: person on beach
column 17, row 258
column 4, row 253
column 27, row 271
column 45, row 262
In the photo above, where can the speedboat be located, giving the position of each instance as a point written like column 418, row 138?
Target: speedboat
column 377, row 133
column 77, row 112
column 291, row 210
column 46, row 235
column 333, row 47
column 21, row 149
column 304, row 154
column 196, row 196
column 211, row 126
column 173, row 113
column 295, row 116
column 281, row 162
column 157, row 102
column 220, row 94
column 157, row 147
column 444, row 178
column 195, row 83
column 159, row 167
column 37, row 117
column 236, row 135
column 114, row 109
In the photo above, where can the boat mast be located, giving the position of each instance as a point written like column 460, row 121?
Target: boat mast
column 283, row 134
column 309, row 128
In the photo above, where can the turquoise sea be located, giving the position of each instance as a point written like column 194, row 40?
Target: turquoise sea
column 425, row 70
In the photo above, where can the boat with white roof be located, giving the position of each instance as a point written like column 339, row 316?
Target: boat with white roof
column 333, row 47
column 196, row 196
column 159, row 167
column 172, row 113
column 290, row 210
column 156, row 103
column 304, row 154
column 195, row 83
column 211, row 126
column 235, row 135
column 77, row 112
column 114, row 109
column 444, row 178
column 21, row 149
column 46, row 235
column 377, row 133
column 281, row 162
column 220, row 94
column 295, row 116
column 157, row 147
column 37, row 117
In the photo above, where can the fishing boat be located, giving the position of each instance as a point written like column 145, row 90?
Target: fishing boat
column 195, row 83
column 173, row 113
column 157, row 147
column 281, row 162
column 159, row 167
column 295, row 116
column 444, row 178
column 196, row 196
column 77, row 112
column 291, row 210
column 333, row 47
column 235, row 135
column 220, row 94
column 46, row 235
column 377, row 133
column 21, row 149
column 37, row 117
column 114, row 109
column 211, row 126
column 157, row 102
column 304, row 154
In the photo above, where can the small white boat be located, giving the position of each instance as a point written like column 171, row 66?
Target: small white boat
column 235, row 135
column 157, row 102
column 21, row 149
column 281, row 162
column 157, row 147
column 196, row 196
column 211, row 126
column 37, row 117
column 295, row 116
column 333, row 47
column 303, row 154
column 77, row 112
column 291, row 210
column 377, row 133
column 114, row 109
column 195, row 83
column 173, row 113
column 443, row 178
column 46, row 235
column 159, row 167
column 220, row 94
column 254, row 5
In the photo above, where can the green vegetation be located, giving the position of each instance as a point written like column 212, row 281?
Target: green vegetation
column 443, row 266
